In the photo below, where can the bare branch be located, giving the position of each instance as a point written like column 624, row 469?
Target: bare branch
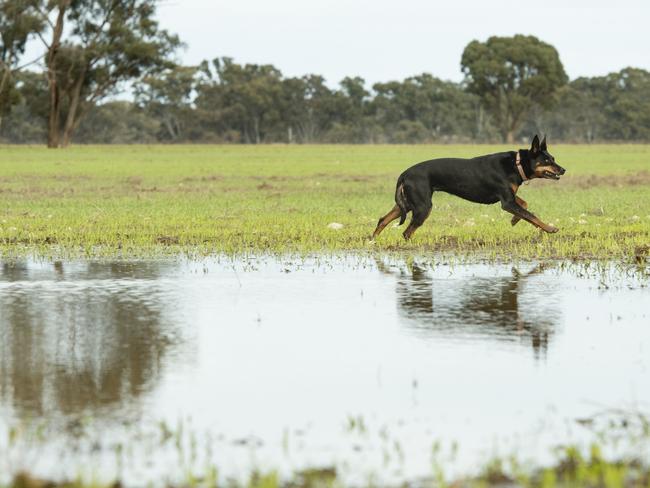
column 109, row 12
column 40, row 36
column 34, row 61
column 44, row 16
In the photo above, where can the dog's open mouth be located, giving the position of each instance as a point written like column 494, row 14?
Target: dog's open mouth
column 551, row 176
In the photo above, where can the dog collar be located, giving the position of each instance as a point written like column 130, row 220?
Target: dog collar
column 519, row 168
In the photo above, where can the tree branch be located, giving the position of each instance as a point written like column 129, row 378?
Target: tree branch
column 28, row 64
column 109, row 12
column 40, row 36
column 44, row 16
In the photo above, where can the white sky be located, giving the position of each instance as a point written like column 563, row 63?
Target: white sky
column 382, row 40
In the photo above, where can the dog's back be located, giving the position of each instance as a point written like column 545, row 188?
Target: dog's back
column 477, row 179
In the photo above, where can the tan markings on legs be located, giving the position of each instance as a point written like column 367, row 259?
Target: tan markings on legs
column 545, row 227
column 514, row 187
column 529, row 217
column 524, row 204
column 385, row 220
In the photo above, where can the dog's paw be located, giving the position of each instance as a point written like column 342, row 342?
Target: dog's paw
column 551, row 229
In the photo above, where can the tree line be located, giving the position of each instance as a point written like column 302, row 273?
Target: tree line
column 95, row 50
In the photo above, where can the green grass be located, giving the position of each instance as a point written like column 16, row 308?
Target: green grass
column 615, row 457
column 137, row 201
column 573, row 469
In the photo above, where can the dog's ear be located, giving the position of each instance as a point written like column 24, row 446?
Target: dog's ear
column 534, row 147
column 543, row 144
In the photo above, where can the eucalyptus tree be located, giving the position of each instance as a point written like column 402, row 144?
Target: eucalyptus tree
column 168, row 97
column 511, row 75
column 242, row 102
column 439, row 108
column 19, row 20
column 308, row 108
column 93, row 48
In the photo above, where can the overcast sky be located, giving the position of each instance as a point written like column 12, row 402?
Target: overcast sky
column 383, row 40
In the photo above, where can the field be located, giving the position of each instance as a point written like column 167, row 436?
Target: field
column 145, row 201
column 148, row 343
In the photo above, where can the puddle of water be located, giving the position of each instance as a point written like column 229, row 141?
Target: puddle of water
column 362, row 364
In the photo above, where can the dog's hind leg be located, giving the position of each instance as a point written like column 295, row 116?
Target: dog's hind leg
column 420, row 214
column 523, row 204
column 385, row 220
column 419, row 198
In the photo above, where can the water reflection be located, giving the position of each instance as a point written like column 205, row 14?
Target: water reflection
column 510, row 308
column 202, row 345
column 80, row 338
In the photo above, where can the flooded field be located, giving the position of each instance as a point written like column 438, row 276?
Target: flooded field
column 378, row 367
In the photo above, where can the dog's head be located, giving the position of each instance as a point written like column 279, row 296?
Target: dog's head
column 542, row 163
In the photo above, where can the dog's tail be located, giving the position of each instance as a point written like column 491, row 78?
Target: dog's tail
column 400, row 200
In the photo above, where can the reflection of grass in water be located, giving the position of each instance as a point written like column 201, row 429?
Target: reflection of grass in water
column 574, row 466
column 145, row 201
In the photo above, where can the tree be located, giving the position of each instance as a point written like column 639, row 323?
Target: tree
column 510, row 75
column 580, row 115
column 353, row 122
column 107, row 43
column 26, row 123
column 117, row 122
column 19, row 20
column 615, row 107
column 167, row 97
column 434, row 108
column 307, row 107
column 242, row 98
column 627, row 105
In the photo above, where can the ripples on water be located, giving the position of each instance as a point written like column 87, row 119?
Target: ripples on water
column 284, row 365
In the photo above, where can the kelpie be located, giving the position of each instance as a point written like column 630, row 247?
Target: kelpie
column 485, row 179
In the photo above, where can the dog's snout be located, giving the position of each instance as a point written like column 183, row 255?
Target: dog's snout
column 562, row 170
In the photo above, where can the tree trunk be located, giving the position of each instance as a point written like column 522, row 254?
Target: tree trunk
column 71, row 119
column 55, row 96
column 479, row 121
column 513, row 127
column 256, row 129
column 6, row 74
column 167, row 122
column 53, row 119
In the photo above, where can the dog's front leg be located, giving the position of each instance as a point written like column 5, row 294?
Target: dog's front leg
column 510, row 205
column 523, row 203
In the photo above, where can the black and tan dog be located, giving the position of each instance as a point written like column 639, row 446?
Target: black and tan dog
column 485, row 179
